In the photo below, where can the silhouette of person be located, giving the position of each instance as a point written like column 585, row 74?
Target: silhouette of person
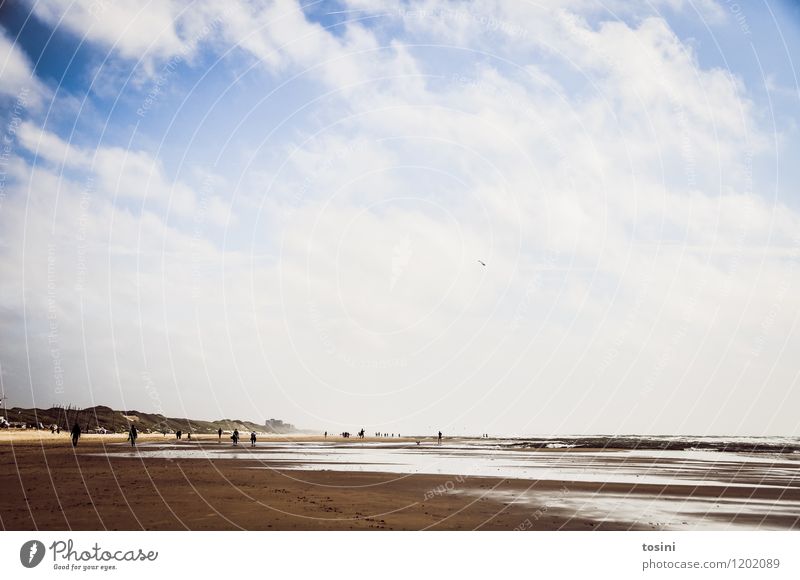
column 235, row 437
column 76, row 434
column 326, row 434
column 440, row 437
column 219, row 434
column 58, row 430
column 132, row 435
column 253, row 439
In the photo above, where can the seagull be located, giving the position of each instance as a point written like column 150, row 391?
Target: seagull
column 482, row 263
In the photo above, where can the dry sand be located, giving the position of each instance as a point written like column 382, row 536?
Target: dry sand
column 49, row 486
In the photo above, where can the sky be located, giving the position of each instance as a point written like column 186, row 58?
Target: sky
column 280, row 209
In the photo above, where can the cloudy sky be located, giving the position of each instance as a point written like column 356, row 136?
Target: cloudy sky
column 276, row 209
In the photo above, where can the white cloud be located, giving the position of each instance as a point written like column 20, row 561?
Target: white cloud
column 135, row 30
column 51, row 147
column 278, row 34
column 120, row 173
column 18, row 79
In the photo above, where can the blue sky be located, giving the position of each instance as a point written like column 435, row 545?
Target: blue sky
column 277, row 210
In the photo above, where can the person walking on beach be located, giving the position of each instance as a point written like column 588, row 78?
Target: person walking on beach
column 253, row 439
column 219, row 434
column 76, row 434
column 440, row 438
column 235, row 437
column 132, row 435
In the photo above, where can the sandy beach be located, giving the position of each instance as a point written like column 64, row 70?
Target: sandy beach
column 309, row 483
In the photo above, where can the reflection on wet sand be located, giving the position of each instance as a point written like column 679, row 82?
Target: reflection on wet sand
column 655, row 488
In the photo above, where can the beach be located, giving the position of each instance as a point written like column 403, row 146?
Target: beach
column 313, row 483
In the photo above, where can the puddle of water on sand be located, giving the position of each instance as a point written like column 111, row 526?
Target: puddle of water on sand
column 662, row 512
column 705, row 468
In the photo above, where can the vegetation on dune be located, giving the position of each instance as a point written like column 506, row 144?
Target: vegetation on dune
column 106, row 418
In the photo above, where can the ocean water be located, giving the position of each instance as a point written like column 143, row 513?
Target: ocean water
column 664, row 442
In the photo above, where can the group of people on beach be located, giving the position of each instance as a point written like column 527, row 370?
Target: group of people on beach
column 235, row 437
column 346, row 435
column 133, row 434
column 361, row 434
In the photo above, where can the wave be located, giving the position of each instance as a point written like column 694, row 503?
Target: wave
column 669, row 443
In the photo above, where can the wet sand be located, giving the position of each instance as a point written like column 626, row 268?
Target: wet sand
column 49, row 486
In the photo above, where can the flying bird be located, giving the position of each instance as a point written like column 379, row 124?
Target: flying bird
column 482, row 263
